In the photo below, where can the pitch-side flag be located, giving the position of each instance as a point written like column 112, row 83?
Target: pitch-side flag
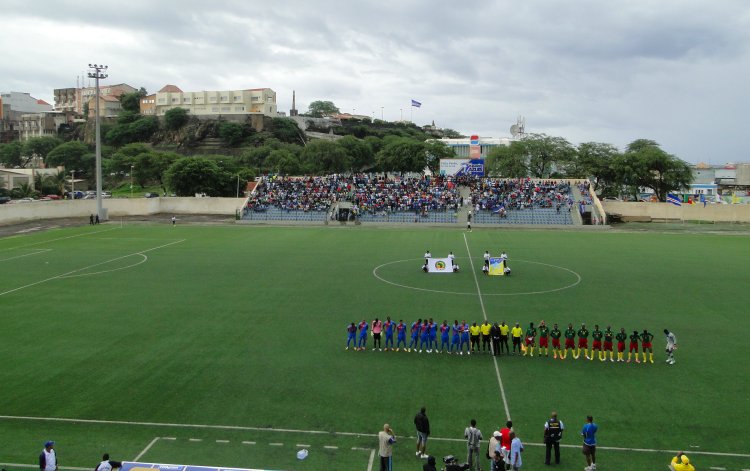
column 497, row 266
column 439, row 265
column 674, row 199
column 415, row 103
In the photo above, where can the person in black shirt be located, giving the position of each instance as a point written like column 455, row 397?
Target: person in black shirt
column 553, row 429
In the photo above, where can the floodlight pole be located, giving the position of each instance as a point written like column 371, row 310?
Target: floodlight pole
column 73, row 184
column 238, row 185
column 99, row 72
column 131, row 180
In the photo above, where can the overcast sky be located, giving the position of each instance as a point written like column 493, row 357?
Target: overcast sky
column 675, row 71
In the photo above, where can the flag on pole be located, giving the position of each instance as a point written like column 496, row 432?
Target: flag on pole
column 415, row 103
column 674, row 199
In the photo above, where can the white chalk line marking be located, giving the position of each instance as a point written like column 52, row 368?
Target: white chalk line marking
column 55, row 240
column 148, row 447
column 168, row 438
column 484, row 313
column 303, row 446
column 461, row 293
column 222, row 441
column 248, row 443
column 63, row 275
column 37, row 252
column 143, row 260
column 322, row 432
column 371, row 461
column 276, row 444
column 195, row 439
column 330, row 447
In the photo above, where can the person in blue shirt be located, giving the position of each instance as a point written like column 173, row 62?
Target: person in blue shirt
column 445, row 330
column 351, row 334
column 424, row 336
column 389, row 325
column 589, row 443
column 400, row 335
column 456, row 340
column 433, row 336
column 464, row 338
column 363, row 327
column 415, row 327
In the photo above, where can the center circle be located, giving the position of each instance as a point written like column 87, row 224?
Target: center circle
column 379, row 276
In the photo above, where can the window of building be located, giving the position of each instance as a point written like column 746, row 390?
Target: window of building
column 162, row 100
column 186, row 100
column 239, row 108
column 212, row 99
column 255, row 98
column 175, row 100
column 226, row 108
column 224, row 98
column 238, row 98
column 215, row 109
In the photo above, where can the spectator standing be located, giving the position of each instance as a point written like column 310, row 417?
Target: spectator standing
column 422, row 424
column 516, row 448
column 431, row 464
column 107, row 464
column 468, row 221
column 91, row 219
column 493, row 446
column 589, row 443
column 48, row 457
column 473, row 438
column 553, row 430
column 386, row 439
column 505, row 441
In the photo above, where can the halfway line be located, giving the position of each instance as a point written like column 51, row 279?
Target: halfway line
column 484, row 313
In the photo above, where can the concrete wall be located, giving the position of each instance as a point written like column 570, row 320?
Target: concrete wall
column 694, row 212
column 14, row 213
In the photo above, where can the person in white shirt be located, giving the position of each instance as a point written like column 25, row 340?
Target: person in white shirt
column 671, row 346
column 487, row 258
column 516, row 448
column 504, row 255
column 48, row 457
column 473, row 438
column 107, row 464
column 427, row 254
column 451, row 256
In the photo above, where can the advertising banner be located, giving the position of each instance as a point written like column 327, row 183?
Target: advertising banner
column 459, row 167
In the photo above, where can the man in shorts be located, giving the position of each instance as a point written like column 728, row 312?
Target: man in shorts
column 608, row 337
column 543, row 339
column 633, row 347
column 422, row 424
column 646, row 338
column 530, row 340
column 597, row 335
column 583, row 342
column 400, row 335
column 556, row 334
column 570, row 339
column 671, row 346
column 589, row 443
column 621, row 337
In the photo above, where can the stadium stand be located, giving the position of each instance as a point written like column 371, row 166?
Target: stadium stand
column 521, row 201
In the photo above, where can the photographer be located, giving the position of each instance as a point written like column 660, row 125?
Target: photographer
column 386, row 439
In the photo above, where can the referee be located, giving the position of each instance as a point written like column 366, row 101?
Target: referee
column 553, row 429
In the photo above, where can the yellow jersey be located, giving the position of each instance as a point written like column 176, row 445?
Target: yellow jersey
column 504, row 329
column 516, row 332
column 474, row 330
column 486, row 329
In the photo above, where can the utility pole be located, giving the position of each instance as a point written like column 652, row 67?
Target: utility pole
column 99, row 72
column 131, row 180
column 72, row 184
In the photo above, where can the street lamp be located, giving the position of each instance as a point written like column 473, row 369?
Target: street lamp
column 131, row 180
column 73, row 184
column 238, row 185
column 99, row 72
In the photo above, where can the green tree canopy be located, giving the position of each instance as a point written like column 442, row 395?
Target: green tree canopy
column 10, row 154
column 176, row 118
column 131, row 102
column 596, row 160
column 360, row 153
column 319, row 109
column 190, row 175
column 73, row 155
column 646, row 165
column 545, row 153
column 507, row 161
column 402, row 154
column 325, row 157
column 232, row 133
column 39, row 147
column 284, row 162
column 437, row 150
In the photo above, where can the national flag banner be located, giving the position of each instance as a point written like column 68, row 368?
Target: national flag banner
column 674, row 199
column 415, row 103
column 439, row 265
column 497, row 266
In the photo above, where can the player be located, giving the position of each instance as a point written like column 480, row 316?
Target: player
column 433, row 336
column 465, row 338
column 486, row 269
column 597, row 335
column 608, row 337
column 486, row 327
column 487, row 259
column 351, row 335
column 425, row 267
column 388, row 326
column 377, row 329
column 415, row 327
column 445, row 330
column 671, row 346
column 504, row 256
column 633, row 347
column 555, row 333
column 400, row 335
column 621, row 337
column 516, row 332
column 451, row 257
column 530, row 340
column 424, row 336
column 363, row 326
column 474, row 331
column 456, row 339
column 583, row 342
column 646, row 338
column 456, row 268
column 570, row 338
column 543, row 339
column 468, row 221
column 428, row 254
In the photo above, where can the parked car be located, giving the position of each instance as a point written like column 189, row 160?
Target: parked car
column 151, row 195
column 53, row 197
column 4, row 199
column 78, row 195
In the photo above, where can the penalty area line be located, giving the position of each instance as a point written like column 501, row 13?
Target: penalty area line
column 55, row 240
column 148, row 447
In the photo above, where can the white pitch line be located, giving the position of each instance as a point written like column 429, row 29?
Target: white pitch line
column 484, row 313
column 141, row 252
column 195, row 439
column 323, row 432
column 248, row 443
column 222, row 441
column 302, row 445
column 169, row 438
column 330, row 447
column 276, row 444
column 717, row 468
column 372, row 460
column 38, row 251
column 55, row 240
column 148, row 447
column 356, row 448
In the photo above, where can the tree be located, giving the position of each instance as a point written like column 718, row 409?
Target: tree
column 232, row 133
column 507, row 161
column 646, row 165
column 360, row 153
column 319, row 109
column 596, row 160
column 402, row 154
column 286, row 130
column 325, row 157
column 545, row 153
column 176, row 118
column 437, row 150
column 10, row 154
column 131, row 102
column 284, row 162
column 452, row 134
column 38, row 147
column 73, row 155
column 190, row 175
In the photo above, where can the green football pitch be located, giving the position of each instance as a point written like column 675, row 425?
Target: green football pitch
column 224, row 345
